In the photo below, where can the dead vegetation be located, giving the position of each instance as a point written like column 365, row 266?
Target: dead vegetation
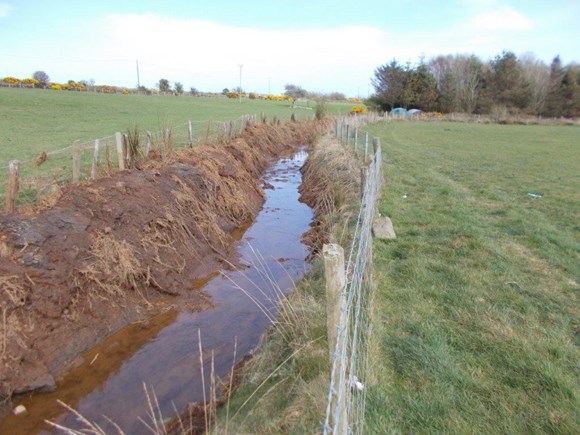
column 115, row 266
column 331, row 182
column 111, row 246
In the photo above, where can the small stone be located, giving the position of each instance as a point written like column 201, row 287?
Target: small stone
column 107, row 230
column 19, row 410
column 383, row 228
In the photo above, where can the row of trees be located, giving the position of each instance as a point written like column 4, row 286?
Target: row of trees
column 164, row 87
column 296, row 92
column 462, row 83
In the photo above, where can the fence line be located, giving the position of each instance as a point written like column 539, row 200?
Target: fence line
column 84, row 160
column 347, row 387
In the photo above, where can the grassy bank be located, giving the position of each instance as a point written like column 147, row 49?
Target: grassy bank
column 476, row 326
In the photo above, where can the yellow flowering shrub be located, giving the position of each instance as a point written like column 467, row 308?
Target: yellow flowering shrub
column 56, row 87
column 30, row 82
column 11, row 80
column 271, row 97
column 358, row 110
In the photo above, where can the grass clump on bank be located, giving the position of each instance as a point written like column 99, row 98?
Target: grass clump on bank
column 476, row 314
column 283, row 387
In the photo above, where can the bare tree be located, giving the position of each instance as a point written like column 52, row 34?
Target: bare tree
column 41, row 77
column 294, row 91
column 459, row 80
column 537, row 74
column 469, row 72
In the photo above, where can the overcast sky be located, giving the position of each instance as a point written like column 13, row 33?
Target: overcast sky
column 318, row 44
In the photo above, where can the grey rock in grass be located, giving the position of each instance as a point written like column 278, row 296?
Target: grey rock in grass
column 383, row 228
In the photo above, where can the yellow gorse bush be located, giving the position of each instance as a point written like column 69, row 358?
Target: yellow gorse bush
column 271, row 97
column 358, row 110
column 30, row 82
column 11, row 80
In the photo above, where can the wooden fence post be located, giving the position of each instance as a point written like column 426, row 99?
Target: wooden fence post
column 363, row 180
column 13, row 186
column 335, row 281
column 126, row 151
column 148, row 143
column 208, row 130
column 366, row 147
column 120, row 157
column 335, row 278
column 190, row 134
column 167, row 141
column 95, row 160
column 76, row 163
column 376, row 144
column 347, row 132
column 355, row 137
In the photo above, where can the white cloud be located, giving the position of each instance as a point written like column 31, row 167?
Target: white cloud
column 503, row 18
column 5, row 9
column 206, row 54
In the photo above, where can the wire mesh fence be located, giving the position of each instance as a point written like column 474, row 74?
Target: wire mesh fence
column 45, row 173
column 346, row 392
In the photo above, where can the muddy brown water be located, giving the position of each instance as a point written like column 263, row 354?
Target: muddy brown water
column 163, row 354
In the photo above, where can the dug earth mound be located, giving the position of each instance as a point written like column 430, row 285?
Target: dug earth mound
column 120, row 249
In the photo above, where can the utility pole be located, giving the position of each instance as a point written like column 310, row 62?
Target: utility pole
column 240, row 93
column 138, row 81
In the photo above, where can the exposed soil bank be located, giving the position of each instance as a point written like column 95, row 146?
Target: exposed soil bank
column 164, row 352
column 110, row 251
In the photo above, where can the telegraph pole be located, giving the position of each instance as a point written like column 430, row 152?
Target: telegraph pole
column 240, row 93
column 138, row 81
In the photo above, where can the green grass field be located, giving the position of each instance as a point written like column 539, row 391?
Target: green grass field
column 476, row 321
column 35, row 120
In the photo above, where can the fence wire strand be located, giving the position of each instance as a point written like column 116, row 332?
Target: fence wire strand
column 347, row 387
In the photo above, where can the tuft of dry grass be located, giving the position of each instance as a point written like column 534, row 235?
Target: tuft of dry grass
column 331, row 185
column 114, row 266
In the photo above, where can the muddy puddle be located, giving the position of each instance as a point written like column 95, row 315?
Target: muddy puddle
column 164, row 353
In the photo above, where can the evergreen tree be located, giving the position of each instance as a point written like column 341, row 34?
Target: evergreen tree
column 420, row 89
column 507, row 84
column 389, row 83
column 555, row 99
